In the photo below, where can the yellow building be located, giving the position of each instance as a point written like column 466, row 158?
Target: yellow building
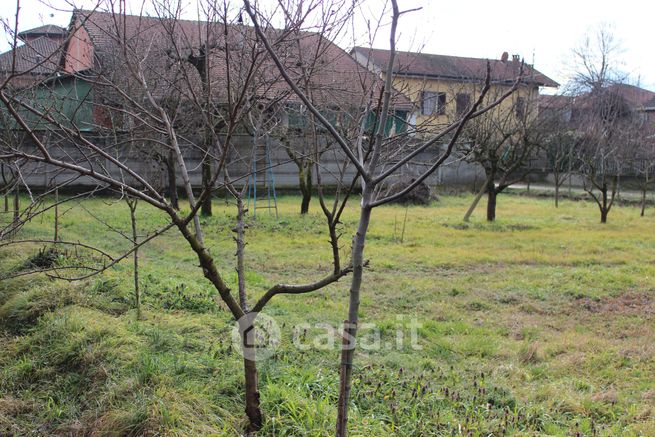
column 443, row 87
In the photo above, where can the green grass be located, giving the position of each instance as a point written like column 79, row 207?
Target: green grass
column 539, row 324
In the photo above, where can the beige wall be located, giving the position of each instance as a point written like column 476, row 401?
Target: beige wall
column 413, row 88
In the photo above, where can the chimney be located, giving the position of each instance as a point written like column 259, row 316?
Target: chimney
column 504, row 57
column 515, row 58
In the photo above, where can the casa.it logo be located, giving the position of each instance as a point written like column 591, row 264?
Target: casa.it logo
column 256, row 336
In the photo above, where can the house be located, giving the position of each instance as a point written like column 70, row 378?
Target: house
column 443, row 87
column 97, row 66
column 617, row 120
column 36, row 56
column 171, row 50
column 648, row 109
column 575, row 109
column 642, row 101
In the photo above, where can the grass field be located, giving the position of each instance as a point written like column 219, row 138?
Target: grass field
column 539, row 324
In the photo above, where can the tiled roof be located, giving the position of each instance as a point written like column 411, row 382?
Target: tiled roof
column 46, row 30
column 452, row 67
column 634, row 95
column 166, row 45
column 39, row 56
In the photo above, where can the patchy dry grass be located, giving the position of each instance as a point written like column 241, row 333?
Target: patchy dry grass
column 541, row 323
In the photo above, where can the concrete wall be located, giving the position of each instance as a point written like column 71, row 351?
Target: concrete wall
column 284, row 171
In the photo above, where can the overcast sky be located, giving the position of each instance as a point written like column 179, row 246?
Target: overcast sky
column 543, row 32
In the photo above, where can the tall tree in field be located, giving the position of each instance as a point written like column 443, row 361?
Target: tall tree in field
column 603, row 118
column 125, row 70
column 605, row 126
column 367, row 154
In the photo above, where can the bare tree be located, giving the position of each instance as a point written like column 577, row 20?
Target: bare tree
column 644, row 167
column 133, row 78
column 559, row 142
column 502, row 142
column 605, row 125
column 603, row 117
column 374, row 170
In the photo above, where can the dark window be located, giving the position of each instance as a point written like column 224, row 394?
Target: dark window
column 462, row 102
column 441, row 103
column 519, row 107
column 433, row 103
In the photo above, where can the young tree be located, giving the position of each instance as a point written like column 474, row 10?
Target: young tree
column 644, row 168
column 559, row 139
column 367, row 155
column 132, row 78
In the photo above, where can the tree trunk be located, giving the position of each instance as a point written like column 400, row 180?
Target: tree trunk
column 132, row 204
column 643, row 193
column 253, row 410
column 603, row 208
column 206, row 208
column 556, row 194
column 350, row 325
column 16, row 203
column 56, row 236
column 172, row 180
column 202, row 66
column 185, row 174
column 474, row 204
column 491, row 201
column 304, row 205
column 240, row 240
column 305, row 181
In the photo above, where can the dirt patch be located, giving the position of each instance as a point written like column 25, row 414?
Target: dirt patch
column 491, row 227
column 608, row 397
column 629, row 304
column 10, row 406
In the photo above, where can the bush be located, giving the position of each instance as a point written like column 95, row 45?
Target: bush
column 45, row 258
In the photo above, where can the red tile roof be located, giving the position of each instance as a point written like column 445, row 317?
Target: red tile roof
column 452, row 67
column 37, row 57
column 634, row 96
column 45, row 30
column 338, row 80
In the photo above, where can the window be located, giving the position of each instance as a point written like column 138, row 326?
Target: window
column 519, row 107
column 433, row 103
column 462, row 102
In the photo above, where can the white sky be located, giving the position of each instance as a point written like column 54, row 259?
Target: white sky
column 541, row 31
